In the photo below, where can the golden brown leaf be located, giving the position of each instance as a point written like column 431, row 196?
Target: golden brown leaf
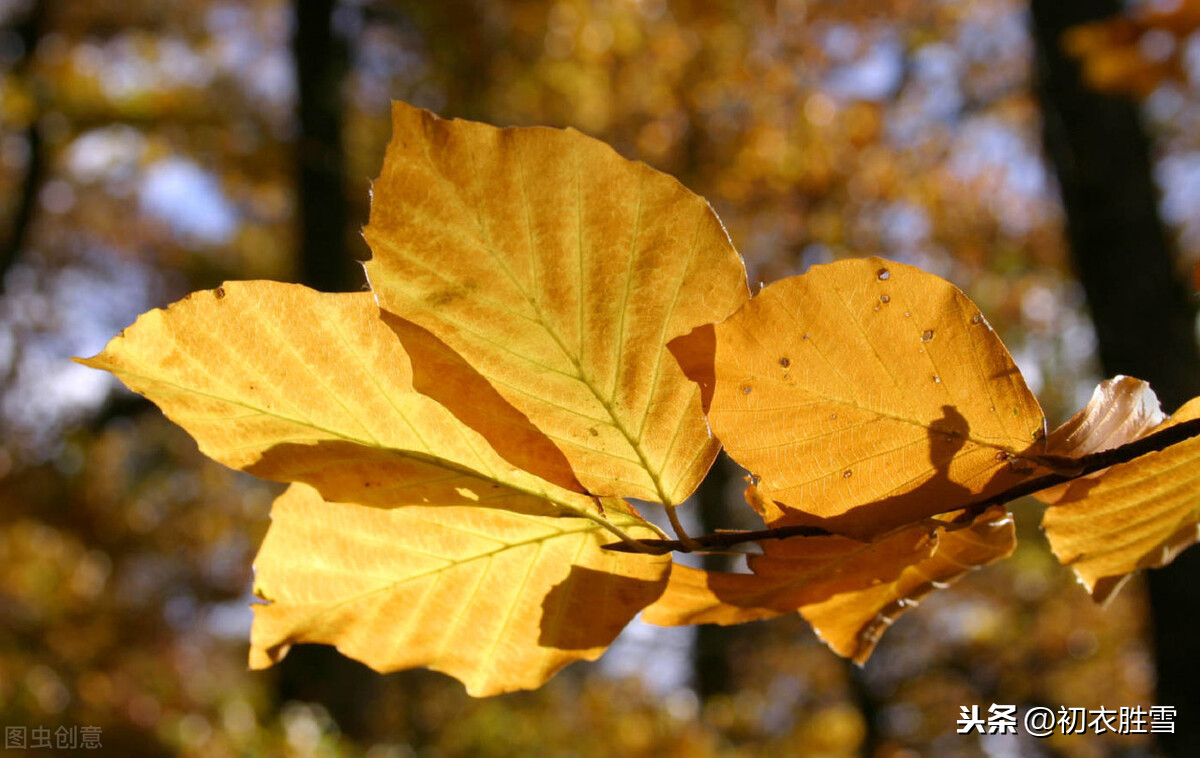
column 1131, row 516
column 849, row 591
column 499, row 600
column 866, row 394
column 559, row 271
column 296, row 385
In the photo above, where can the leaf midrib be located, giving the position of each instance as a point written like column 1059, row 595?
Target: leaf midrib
column 426, row 458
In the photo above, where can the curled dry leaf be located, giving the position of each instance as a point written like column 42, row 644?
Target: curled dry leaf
column 849, row 591
column 499, row 600
column 558, row 270
column 1120, row 410
column 296, row 385
column 1130, row 516
column 866, row 394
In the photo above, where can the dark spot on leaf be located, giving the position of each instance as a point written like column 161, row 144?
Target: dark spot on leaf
column 592, row 431
column 447, row 295
column 219, row 292
column 927, row 335
column 746, row 390
column 785, row 362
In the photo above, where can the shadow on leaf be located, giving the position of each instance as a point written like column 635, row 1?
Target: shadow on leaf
column 443, row 375
column 939, row 492
column 589, row 608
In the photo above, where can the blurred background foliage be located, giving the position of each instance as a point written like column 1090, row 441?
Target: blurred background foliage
column 150, row 148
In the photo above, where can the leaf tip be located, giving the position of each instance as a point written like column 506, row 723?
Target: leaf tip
column 264, row 658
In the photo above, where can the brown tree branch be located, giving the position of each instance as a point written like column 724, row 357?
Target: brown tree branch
column 1082, row 466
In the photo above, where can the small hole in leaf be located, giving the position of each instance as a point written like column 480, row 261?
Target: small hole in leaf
column 847, row 474
column 883, row 274
column 927, row 335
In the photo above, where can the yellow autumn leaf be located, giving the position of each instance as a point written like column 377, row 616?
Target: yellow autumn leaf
column 559, row 271
column 849, row 591
column 499, row 600
column 866, row 394
column 1131, row 516
column 291, row 384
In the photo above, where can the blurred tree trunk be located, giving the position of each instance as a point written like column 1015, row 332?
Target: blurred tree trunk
column 1145, row 325
column 323, row 211
column 712, row 669
column 463, row 45
column 316, row 673
column 29, row 31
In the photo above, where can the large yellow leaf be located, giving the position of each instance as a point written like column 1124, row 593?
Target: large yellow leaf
column 1131, row 516
column 849, row 591
column 498, row 600
column 296, row 385
column 559, row 271
column 866, row 394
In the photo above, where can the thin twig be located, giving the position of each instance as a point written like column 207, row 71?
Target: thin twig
column 685, row 542
column 1082, row 466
